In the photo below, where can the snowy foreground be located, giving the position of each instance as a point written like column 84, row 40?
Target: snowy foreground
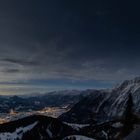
column 78, row 137
column 18, row 133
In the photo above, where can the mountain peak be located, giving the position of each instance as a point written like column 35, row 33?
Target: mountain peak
column 130, row 85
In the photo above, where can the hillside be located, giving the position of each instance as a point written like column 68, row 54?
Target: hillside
column 103, row 105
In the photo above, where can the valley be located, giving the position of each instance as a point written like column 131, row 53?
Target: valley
column 95, row 114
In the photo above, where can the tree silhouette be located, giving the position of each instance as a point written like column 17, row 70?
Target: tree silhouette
column 128, row 117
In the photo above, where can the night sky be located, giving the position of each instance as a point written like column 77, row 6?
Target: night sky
column 50, row 45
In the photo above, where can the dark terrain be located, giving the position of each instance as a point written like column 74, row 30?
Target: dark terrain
column 103, row 115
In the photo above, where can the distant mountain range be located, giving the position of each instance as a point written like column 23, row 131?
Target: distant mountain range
column 52, row 99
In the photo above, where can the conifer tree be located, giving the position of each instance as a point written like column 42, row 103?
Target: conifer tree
column 128, row 117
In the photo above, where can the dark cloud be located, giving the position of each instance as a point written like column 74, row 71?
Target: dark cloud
column 11, row 71
column 74, row 40
column 20, row 62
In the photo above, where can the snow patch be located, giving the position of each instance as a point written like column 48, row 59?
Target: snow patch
column 117, row 125
column 17, row 134
column 78, row 137
column 48, row 131
column 76, row 126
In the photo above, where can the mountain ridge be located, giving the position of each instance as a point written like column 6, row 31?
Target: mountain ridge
column 104, row 105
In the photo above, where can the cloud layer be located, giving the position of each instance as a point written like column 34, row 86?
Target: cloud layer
column 73, row 44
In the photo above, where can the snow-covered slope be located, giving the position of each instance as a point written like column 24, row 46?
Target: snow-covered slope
column 101, row 105
column 121, row 94
column 35, row 127
column 76, row 126
column 18, row 134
